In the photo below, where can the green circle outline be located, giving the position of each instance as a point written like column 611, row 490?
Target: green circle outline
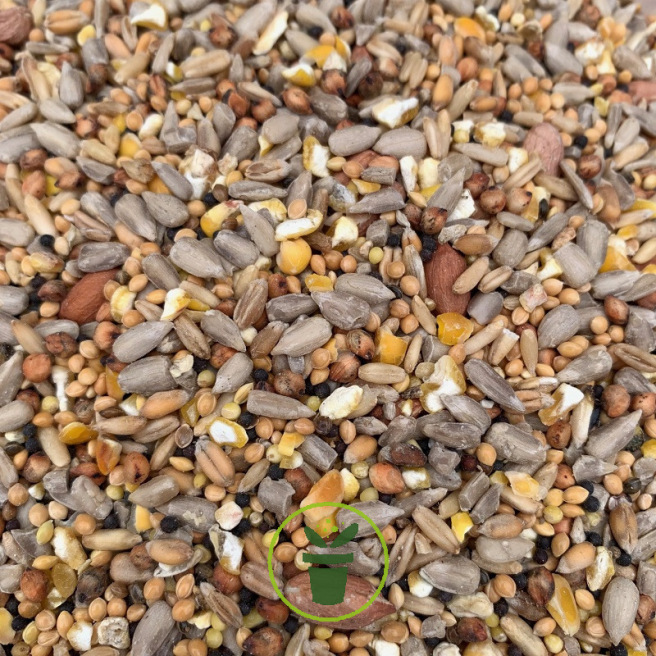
column 274, row 541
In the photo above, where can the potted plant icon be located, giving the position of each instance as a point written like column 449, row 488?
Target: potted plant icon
column 329, row 584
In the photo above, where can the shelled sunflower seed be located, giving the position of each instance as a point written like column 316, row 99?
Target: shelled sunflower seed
column 394, row 255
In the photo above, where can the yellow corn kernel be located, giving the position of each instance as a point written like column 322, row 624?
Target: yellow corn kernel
column 77, row 433
column 121, row 302
column 364, row 187
column 294, row 256
column 315, row 283
column 213, row 219
column 351, row 485
column 616, row 261
column 157, row 186
column 176, row 301
column 465, row 27
column 113, row 388
column 461, row 524
column 345, row 233
column 189, row 412
column 627, row 232
column 499, row 478
column 453, row 328
column 524, row 485
column 390, row 349
column 142, row 519
column 300, row 74
column 289, row 442
column 648, row 449
column 644, row 204
column 562, row 606
column 129, row 146
column 319, row 54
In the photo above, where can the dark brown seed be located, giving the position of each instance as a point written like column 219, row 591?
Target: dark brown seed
column 140, row 558
column 272, row 611
column 288, row 383
column 360, row 343
column 34, row 585
column 559, row 434
column 493, row 201
column 345, row 369
column 471, row 629
column 615, row 400
column 226, row 582
column 264, row 642
column 136, row 468
column 407, row 455
column 616, row 310
column 61, row 345
column 541, row 586
column 433, row 220
column 301, row 483
column 442, row 271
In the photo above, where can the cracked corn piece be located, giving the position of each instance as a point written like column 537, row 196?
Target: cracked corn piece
column 294, row 256
column 562, row 606
column 390, row 349
column 228, row 433
column 453, row 328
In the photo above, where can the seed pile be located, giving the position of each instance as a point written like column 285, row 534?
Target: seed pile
column 395, row 254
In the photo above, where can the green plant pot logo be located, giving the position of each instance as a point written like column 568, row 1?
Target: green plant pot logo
column 328, row 584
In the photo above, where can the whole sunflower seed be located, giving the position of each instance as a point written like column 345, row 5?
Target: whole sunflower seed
column 147, row 376
column 153, row 629
column 155, row 492
column 57, row 139
column 192, row 337
column 610, row 438
column 140, row 340
column 502, row 551
column 619, row 607
column 276, row 406
column 233, row 374
column 593, row 364
column 454, row 574
column 346, row 311
column 222, row 329
column 260, row 231
column 102, row 257
column 352, row 140
column 14, row 415
column 489, row 382
column 197, row 258
column 236, row 249
column 558, row 326
column 303, row 337
column 167, row 210
column 251, row 305
column 514, row 444
column 379, row 513
column 160, row 271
